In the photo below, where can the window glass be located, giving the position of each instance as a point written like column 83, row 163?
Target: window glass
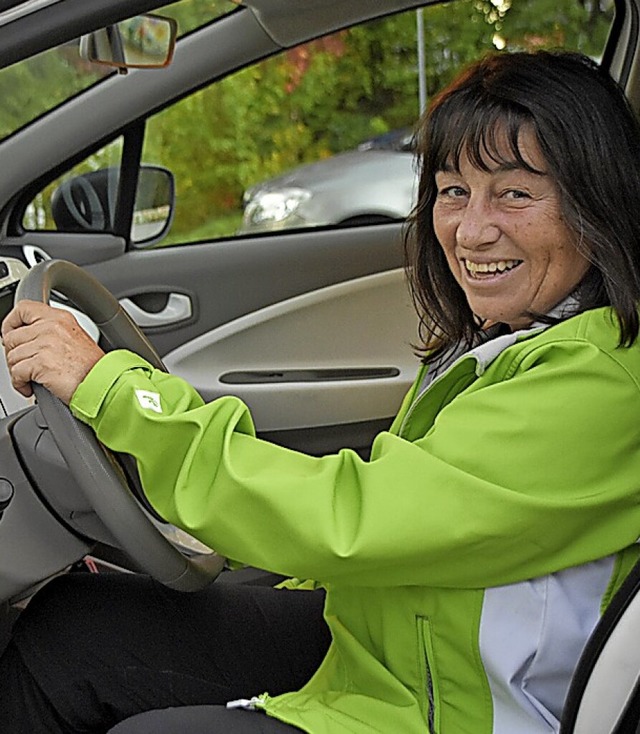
column 31, row 87
column 321, row 135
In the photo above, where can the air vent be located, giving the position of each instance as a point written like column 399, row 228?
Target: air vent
column 34, row 255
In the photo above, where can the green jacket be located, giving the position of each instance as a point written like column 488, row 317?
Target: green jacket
column 473, row 531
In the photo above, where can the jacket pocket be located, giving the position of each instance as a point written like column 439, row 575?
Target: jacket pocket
column 429, row 679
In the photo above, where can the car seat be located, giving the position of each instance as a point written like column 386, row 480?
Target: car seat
column 604, row 695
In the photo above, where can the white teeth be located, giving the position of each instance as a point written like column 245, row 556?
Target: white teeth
column 499, row 265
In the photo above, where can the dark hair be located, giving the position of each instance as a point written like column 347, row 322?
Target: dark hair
column 590, row 139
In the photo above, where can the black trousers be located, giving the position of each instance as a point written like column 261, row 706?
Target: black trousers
column 202, row 720
column 92, row 650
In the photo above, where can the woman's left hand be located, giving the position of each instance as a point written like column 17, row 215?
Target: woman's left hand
column 47, row 345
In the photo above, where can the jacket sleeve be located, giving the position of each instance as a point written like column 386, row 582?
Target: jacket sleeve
column 516, row 478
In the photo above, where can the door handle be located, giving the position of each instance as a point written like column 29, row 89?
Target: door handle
column 178, row 309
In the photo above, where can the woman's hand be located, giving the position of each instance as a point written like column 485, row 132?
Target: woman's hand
column 47, row 345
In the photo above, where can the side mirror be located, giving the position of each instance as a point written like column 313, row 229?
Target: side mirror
column 141, row 42
column 153, row 210
column 86, row 203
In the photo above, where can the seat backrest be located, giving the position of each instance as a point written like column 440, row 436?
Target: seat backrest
column 604, row 695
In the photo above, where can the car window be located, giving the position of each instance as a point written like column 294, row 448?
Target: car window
column 322, row 134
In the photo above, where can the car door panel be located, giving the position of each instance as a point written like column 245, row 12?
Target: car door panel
column 224, row 302
column 334, row 356
column 229, row 279
column 299, row 305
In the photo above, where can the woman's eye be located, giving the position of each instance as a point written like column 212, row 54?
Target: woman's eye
column 451, row 192
column 515, row 194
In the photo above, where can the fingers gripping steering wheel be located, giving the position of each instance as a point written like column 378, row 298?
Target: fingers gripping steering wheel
column 92, row 466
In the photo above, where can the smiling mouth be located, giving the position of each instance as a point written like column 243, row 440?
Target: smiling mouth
column 482, row 271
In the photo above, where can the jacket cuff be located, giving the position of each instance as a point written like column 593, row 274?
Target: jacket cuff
column 91, row 392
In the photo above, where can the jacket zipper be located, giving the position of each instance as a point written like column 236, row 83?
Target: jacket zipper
column 431, row 714
column 424, row 635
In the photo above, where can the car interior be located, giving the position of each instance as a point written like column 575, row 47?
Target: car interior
column 308, row 321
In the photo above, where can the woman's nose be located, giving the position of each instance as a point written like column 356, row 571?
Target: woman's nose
column 477, row 226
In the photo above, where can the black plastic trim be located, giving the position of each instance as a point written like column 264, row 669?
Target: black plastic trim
column 625, row 12
column 260, row 377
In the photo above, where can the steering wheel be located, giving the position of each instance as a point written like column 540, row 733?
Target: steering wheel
column 92, row 466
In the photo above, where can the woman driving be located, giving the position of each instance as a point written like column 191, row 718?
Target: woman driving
column 460, row 571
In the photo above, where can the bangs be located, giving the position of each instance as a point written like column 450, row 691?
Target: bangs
column 486, row 131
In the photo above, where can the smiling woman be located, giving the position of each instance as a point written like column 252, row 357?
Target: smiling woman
column 522, row 189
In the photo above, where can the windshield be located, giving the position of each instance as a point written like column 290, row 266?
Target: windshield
column 31, row 87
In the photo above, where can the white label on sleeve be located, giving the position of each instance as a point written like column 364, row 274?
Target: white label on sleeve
column 149, row 400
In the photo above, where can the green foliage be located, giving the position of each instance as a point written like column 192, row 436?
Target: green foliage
column 581, row 25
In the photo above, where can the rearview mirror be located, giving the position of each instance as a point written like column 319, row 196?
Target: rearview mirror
column 141, row 42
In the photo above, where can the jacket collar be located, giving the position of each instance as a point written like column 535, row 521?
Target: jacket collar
column 492, row 342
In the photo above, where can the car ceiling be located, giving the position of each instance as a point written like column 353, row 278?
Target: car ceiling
column 289, row 21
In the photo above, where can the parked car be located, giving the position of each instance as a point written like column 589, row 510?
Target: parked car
column 312, row 327
column 374, row 184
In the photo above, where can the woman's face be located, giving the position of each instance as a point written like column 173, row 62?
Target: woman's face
column 505, row 239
